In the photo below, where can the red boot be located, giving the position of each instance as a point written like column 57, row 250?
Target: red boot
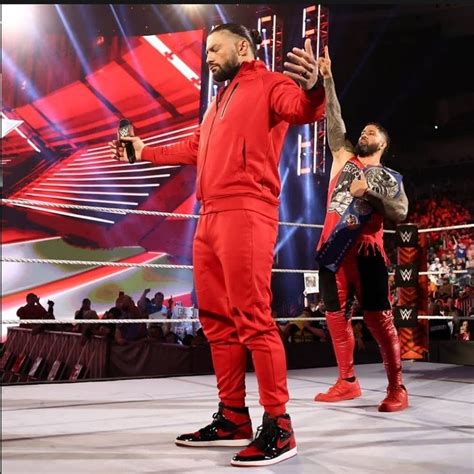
column 380, row 324
column 341, row 390
column 231, row 427
column 396, row 399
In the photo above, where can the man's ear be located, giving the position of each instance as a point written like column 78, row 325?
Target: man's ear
column 242, row 47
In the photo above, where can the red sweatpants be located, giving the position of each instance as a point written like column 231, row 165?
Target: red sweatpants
column 233, row 258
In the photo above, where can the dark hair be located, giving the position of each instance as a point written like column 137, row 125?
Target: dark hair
column 115, row 312
column 252, row 36
column 30, row 295
column 384, row 132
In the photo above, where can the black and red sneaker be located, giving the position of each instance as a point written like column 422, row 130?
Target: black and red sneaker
column 231, row 427
column 273, row 443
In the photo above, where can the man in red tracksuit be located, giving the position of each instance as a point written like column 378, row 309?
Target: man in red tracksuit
column 357, row 174
column 236, row 150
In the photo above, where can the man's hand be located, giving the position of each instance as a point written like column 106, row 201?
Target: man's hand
column 324, row 64
column 359, row 186
column 119, row 153
column 303, row 67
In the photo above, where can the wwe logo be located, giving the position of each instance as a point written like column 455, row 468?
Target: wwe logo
column 406, row 274
column 405, row 236
column 405, row 313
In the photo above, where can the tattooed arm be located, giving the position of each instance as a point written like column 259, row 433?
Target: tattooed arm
column 395, row 209
column 340, row 146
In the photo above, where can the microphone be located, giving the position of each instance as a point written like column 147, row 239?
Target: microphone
column 125, row 129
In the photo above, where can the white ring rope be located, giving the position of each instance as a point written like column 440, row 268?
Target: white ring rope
column 452, row 227
column 190, row 216
column 173, row 321
column 97, row 263
column 123, row 264
column 169, row 266
column 112, row 210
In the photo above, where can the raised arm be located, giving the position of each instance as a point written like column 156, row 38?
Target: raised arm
column 304, row 101
column 340, row 146
column 142, row 301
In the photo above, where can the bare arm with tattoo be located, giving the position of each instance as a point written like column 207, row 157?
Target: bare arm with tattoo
column 340, row 146
column 395, row 209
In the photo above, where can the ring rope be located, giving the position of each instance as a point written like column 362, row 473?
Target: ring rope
column 172, row 321
column 451, row 227
column 169, row 266
column 192, row 216
column 142, row 212
column 123, row 264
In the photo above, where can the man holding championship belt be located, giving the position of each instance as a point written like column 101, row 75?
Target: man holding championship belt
column 350, row 253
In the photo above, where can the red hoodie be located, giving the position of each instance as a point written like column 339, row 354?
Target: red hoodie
column 238, row 144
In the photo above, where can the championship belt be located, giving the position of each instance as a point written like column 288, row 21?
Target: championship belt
column 383, row 181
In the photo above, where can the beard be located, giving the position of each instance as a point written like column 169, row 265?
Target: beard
column 227, row 71
column 364, row 150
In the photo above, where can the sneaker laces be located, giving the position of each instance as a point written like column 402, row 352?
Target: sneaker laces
column 265, row 434
column 335, row 388
column 219, row 422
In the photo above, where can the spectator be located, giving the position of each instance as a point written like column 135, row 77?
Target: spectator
column 188, row 340
column 172, row 338
column 300, row 330
column 50, row 312
column 283, row 326
column 317, row 328
column 357, row 327
column 153, row 309
column 455, row 247
column 460, row 249
column 464, row 333
column 108, row 330
column 439, row 330
column 32, row 310
column 155, row 333
column 129, row 332
column 85, row 311
column 118, row 301
column 434, row 308
column 466, row 300
column 451, row 310
column 200, row 338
